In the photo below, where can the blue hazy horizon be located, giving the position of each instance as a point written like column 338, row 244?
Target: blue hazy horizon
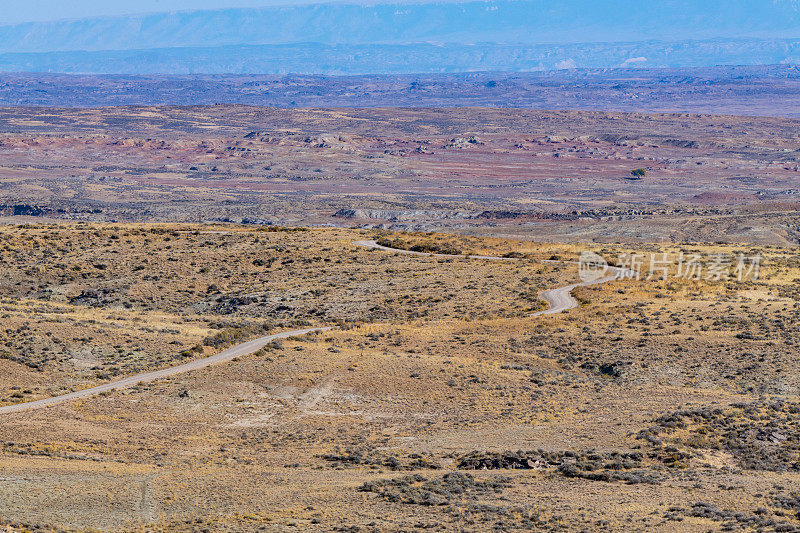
column 439, row 35
column 21, row 11
column 397, row 22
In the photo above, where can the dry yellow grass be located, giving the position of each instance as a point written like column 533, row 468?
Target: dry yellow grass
column 435, row 359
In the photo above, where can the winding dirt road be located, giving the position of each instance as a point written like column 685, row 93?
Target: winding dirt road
column 560, row 299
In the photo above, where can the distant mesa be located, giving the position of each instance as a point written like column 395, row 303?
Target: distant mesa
column 425, row 36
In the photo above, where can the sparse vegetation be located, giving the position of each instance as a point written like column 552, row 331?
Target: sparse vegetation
column 638, row 173
column 656, row 403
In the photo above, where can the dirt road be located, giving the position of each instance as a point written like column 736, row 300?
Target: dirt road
column 239, row 350
column 560, row 299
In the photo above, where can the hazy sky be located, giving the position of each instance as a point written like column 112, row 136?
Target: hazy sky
column 14, row 11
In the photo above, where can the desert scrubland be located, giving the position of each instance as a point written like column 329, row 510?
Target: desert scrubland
column 436, row 402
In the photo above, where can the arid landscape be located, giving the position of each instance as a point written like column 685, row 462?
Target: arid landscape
column 545, row 176
column 243, row 318
column 399, row 266
column 765, row 90
column 437, row 401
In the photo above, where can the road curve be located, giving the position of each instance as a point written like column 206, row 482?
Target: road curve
column 239, row 350
column 559, row 299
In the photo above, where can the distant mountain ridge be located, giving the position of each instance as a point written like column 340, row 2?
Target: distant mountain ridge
column 407, row 59
column 493, row 21
column 508, row 35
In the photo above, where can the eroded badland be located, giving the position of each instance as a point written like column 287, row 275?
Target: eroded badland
column 139, row 239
